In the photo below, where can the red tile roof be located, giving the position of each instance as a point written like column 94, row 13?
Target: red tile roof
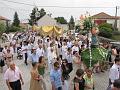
column 3, row 18
column 103, row 15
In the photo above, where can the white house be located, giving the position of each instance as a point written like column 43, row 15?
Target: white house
column 106, row 18
column 49, row 21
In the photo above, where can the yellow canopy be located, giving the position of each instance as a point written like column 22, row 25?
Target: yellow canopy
column 50, row 30
column 34, row 28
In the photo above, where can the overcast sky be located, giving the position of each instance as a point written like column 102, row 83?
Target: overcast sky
column 7, row 9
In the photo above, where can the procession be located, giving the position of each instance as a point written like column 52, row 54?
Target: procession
column 57, row 60
column 45, row 51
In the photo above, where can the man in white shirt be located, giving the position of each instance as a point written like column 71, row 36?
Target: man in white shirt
column 51, row 58
column 34, row 56
column 24, row 51
column 114, row 73
column 40, row 50
column 64, row 50
column 69, row 43
column 13, row 77
column 69, row 58
column 75, row 47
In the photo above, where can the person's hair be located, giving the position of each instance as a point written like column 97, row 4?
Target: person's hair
column 40, row 59
column 74, row 52
column 117, row 60
column 88, row 70
column 113, row 47
column 116, row 83
column 82, row 45
column 65, row 60
column 68, row 49
column 63, row 66
column 56, row 64
column 58, row 58
column 79, row 72
column 34, row 64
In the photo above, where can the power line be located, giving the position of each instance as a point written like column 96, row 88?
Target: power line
column 52, row 6
column 11, row 8
column 18, row 2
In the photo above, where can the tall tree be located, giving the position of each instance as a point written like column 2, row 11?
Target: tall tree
column 61, row 20
column 33, row 19
column 42, row 13
column 16, row 20
column 36, row 15
column 71, row 23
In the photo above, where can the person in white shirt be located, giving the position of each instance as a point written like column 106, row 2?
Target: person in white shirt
column 69, row 58
column 34, row 56
column 69, row 43
column 30, row 46
column 13, row 77
column 5, row 49
column 64, row 50
column 114, row 73
column 40, row 50
column 11, row 49
column 49, row 48
column 13, row 42
column 24, row 51
column 75, row 47
column 51, row 58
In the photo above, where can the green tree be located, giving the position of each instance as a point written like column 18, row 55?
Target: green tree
column 16, row 20
column 33, row 18
column 42, row 13
column 15, row 29
column 106, row 30
column 88, row 24
column 71, row 23
column 36, row 15
column 61, row 20
column 2, row 27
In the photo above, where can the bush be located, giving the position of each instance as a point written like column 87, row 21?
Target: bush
column 105, row 32
column 15, row 29
column 2, row 28
column 107, row 25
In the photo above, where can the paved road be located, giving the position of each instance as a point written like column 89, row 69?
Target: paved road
column 101, row 80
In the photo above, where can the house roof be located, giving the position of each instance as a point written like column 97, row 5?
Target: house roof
column 4, row 18
column 103, row 15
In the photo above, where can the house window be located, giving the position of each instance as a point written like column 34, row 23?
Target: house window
column 98, row 22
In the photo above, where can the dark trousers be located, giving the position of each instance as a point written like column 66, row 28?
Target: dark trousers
column 26, row 56
column 109, row 86
column 15, row 85
column 70, row 67
column 59, row 88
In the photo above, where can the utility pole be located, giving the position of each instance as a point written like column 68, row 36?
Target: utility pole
column 115, row 24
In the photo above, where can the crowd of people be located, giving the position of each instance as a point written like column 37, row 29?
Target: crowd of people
column 61, row 57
